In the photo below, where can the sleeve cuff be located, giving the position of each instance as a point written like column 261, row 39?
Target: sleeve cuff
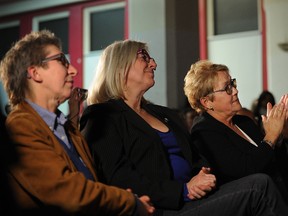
column 185, row 193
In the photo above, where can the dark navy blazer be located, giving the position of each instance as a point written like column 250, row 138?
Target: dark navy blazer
column 130, row 153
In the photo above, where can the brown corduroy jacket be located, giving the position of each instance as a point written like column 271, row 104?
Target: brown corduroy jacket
column 45, row 176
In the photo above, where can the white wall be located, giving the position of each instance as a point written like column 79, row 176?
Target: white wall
column 241, row 52
column 147, row 23
column 277, row 32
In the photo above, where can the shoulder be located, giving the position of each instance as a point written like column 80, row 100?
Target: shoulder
column 100, row 112
column 23, row 123
column 22, row 113
column 102, row 108
column 205, row 120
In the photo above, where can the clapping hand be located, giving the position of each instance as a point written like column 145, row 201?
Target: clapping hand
column 273, row 122
column 284, row 100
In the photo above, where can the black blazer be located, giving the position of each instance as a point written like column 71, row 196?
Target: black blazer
column 130, row 153
column 231, row 156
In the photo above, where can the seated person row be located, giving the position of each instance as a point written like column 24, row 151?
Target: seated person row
column 233, row 144
column 54, row 173
column 148, row 148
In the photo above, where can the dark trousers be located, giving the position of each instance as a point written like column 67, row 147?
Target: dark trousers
column 252, row 195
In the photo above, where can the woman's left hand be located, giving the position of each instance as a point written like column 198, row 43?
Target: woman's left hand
column 273, row 122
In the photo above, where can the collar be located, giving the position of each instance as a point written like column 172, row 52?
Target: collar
column 51, row 119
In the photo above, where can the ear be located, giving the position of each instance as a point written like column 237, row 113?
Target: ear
column 32, row 73
column 206, row 102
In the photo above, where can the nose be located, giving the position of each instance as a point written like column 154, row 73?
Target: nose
column 72, row 70
column 152, row 63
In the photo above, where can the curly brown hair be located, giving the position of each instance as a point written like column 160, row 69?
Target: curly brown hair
column 28, row 51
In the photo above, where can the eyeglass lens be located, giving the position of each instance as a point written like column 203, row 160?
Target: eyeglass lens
column 229, row 88
column 145, row 55
column 60, row 57
column 64, row 60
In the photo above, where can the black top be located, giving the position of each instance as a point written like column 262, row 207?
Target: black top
column 130, row 153
column 232, row 156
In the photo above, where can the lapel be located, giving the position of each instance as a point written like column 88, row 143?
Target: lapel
column 135, row 120
column 75, row 138
column 248, row 126
column 243, row 122
column 81, row 147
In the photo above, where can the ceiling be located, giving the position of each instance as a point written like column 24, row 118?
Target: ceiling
column 2, row 2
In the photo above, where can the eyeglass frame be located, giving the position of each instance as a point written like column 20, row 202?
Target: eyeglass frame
column 145, row 55
column 228, row 88
column 59, row 57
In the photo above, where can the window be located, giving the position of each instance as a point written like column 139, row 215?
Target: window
column 57, row 23
column 103, row 25
column 104, row 30
column 235, row 16
column 9, row 34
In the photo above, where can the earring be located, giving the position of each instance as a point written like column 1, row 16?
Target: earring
column 211, row 108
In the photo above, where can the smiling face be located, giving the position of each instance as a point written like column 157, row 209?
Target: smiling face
column 223, row 104
column 141, row 74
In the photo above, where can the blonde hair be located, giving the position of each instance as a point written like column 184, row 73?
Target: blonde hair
column 200, row 80
column 112, row 71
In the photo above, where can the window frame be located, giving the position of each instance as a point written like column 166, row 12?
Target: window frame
column 87, row 22
column 211, row 25
column 11, row 24
column 50, row 17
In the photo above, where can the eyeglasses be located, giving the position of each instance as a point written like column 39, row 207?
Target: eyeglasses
column 228, row 88
column 59, row 57
column 145, row 55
